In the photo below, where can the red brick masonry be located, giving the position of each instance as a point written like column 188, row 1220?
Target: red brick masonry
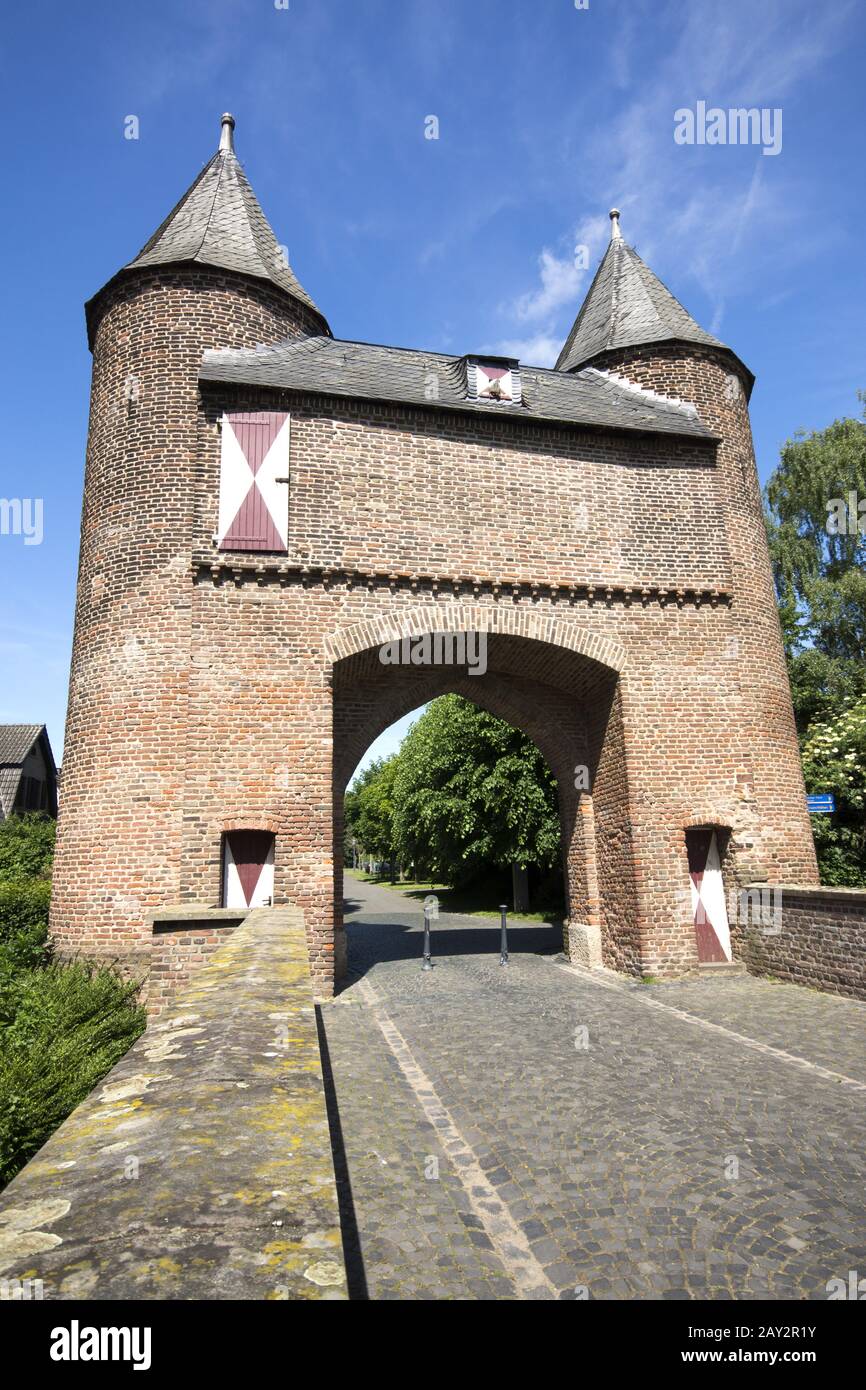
column 822, row 941
column 623, row 579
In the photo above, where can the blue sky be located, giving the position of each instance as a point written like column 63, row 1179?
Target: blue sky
column 548, row 116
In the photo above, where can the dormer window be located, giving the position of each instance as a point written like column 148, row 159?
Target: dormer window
column 493, row 383
column 494, row 379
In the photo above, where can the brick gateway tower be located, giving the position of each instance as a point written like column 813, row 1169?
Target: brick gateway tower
column 266, row 505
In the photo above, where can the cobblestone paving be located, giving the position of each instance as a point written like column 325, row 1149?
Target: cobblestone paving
column 533, row 1132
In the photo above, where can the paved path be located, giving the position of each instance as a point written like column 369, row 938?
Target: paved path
column 538, row 1132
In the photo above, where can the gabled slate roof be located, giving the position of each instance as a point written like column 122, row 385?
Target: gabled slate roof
column 367, row 371
column 626, row 306
column 16, row 741
column 219, row 222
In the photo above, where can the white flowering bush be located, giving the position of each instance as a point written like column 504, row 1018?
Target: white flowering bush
column 834, row 760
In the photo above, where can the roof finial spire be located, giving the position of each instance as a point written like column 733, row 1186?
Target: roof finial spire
column 227, row 137
column 615, row 234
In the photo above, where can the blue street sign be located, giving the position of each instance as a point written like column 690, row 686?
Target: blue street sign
column 823, row 805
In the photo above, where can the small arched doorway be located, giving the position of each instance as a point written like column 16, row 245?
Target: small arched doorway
column 706, row 846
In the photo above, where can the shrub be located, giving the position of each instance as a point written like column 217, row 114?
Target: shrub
column 26, row 846
column 24, row 949
column 23, row 933
column 23, row 904
column 834, row 760
column 62, row 1028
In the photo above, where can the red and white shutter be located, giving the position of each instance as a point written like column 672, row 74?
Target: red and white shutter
column 254, row 506
column 494, row 383
column 708, row 894
column 248, row 869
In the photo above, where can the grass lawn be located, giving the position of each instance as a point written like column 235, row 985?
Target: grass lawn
column 478, row 900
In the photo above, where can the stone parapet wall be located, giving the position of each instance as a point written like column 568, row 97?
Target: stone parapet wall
column 201, row 1167
column 184, row 939
column 811, row 936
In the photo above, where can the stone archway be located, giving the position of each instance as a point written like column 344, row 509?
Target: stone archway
column 558, row 684
column 555, row 630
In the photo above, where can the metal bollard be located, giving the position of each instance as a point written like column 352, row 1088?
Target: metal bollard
column 427, row 964
column 503, row 936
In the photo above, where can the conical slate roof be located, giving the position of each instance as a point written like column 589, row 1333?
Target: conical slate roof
column 219, row 222
column 626, row 306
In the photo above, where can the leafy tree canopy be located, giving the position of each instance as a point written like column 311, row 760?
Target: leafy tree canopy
column 469, row 792
column 834, row 760
column 820, row 571
column 369, row 808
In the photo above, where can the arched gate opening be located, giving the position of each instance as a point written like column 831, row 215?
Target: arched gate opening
column 565, row 700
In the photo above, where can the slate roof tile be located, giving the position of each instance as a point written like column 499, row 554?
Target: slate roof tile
column 16, row 740
column 368, row 371
column 219, row 222
column 626, row 306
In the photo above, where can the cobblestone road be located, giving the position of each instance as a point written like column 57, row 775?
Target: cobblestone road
column 535, row 1132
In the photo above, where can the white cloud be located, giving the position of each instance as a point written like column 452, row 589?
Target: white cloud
column 539, row 351
column 703, row 207
column 560, row 283
column 713, row 216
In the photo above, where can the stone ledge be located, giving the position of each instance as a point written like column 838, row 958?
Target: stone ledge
column 201, row 1167
column 853, row 896
column 187, row 916
column 244, row 568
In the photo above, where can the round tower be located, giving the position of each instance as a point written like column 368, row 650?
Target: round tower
column 212, row 275
column 631, row 326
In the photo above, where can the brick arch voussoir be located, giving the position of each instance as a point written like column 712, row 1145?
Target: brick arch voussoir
column 721, row 819
column 252, row 820
column 557, row 630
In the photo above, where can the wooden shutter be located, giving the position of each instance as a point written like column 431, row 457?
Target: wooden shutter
column 708, row 894
column 253, row 505
column 248, row 868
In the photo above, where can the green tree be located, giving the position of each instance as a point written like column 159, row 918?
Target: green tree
column 471, row 792
column 834, row 760
column 369, row 808
column 820, row 568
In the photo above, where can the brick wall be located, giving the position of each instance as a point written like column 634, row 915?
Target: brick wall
column 623, row 581
column 118, row 850
column 820, row 942
column 177, row 952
